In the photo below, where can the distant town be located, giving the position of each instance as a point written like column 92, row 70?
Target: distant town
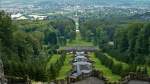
column 104, row 11
column 40, row 10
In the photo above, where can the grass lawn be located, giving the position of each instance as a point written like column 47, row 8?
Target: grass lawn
column 106, row 71
column 125, row 65
column 63, row 73
column 79, row 42
column 53, row 59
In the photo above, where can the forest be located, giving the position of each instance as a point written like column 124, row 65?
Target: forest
column 26, row 46
column 127, row 41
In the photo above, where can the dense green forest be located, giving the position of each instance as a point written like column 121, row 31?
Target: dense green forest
column 26, row 46
column 128, row 41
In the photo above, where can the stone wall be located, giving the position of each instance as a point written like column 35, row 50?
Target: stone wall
column 135, row 76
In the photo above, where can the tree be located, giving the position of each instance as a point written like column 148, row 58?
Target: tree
column 121, row 41
column 133, row 31
column 146, row 43
column 6, row 30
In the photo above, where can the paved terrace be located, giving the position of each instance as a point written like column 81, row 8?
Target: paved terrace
column 79, row 48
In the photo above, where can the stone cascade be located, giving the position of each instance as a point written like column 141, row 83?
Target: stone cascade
column 82, row 67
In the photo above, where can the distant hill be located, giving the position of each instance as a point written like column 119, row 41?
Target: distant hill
column 117, row 3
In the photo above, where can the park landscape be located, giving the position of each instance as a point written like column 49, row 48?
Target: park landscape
column 97, row 45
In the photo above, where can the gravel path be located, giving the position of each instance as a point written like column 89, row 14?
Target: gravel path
column 90, row 80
